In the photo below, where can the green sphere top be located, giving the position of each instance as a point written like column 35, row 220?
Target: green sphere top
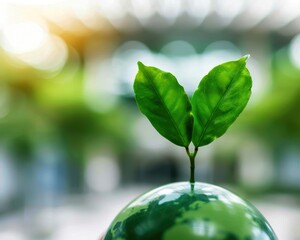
column 185, row 211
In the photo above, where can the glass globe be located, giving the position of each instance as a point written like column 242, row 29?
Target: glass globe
column 185, row 211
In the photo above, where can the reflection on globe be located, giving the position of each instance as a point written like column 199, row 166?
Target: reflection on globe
column 184, row 211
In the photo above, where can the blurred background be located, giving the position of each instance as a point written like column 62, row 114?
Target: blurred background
column 74, row 148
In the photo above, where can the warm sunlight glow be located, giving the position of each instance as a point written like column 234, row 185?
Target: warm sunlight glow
column 51, row 56
column 23, row 37
column 31, row 43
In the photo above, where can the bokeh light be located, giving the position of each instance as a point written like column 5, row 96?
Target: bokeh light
column 31, row 42
column 74, row 148
column 23, row 37
column 294, row 51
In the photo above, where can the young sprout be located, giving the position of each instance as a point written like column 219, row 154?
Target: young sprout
column 192, row 210
column 219, row 99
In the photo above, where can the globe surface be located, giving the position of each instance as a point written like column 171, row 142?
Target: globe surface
column 184, row 211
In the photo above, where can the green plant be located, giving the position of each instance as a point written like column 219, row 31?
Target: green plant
column 219, row 99
column 191, row 211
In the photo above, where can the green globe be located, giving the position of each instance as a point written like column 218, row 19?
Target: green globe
column 184, row 211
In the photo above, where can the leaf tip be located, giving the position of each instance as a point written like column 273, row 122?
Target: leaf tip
column 246, row 57
column 140, row 65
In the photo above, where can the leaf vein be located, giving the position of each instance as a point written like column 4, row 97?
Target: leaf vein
column 205, row 127
column 166, row 109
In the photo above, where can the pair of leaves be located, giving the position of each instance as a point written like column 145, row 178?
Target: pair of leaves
column 219, row 99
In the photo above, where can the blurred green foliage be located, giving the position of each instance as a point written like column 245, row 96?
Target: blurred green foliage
column 276, row 118
column 39, row 107
column 43, row 108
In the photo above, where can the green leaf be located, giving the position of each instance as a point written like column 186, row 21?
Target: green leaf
column 219, row 99
column 165, row 103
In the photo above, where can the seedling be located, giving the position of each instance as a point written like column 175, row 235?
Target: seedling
column 219, row 99
column 191, row 210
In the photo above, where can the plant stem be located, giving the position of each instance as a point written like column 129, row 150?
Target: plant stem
column 192, row 163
